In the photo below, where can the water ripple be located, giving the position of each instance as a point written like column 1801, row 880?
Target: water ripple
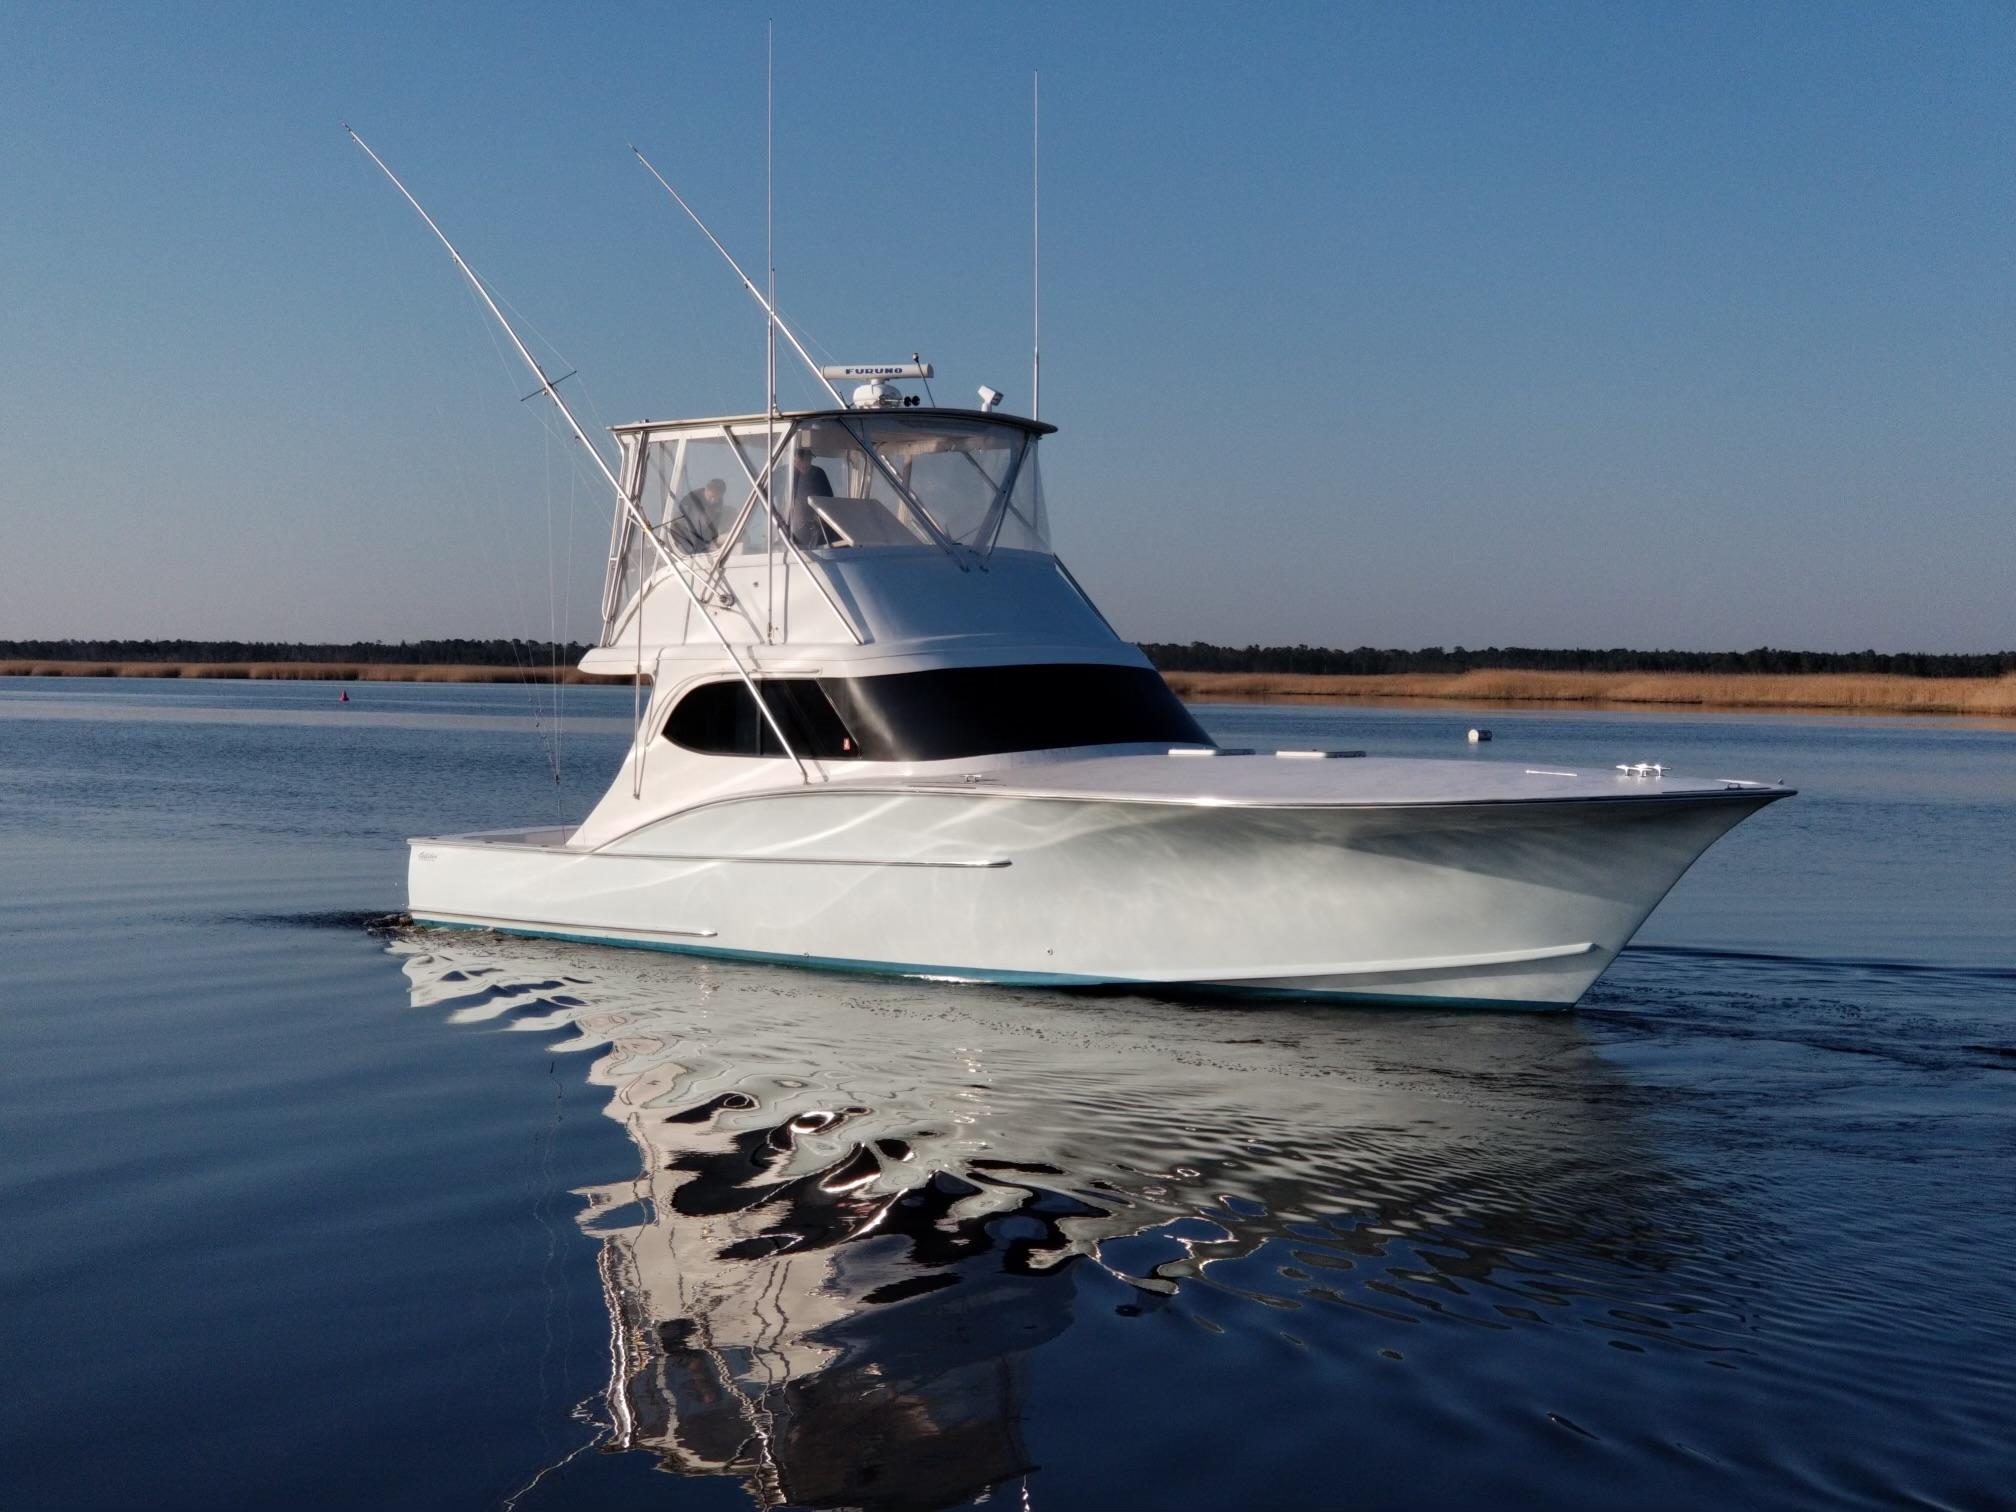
column 858, row 1213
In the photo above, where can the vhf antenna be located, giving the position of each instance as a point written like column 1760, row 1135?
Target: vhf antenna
column 1035, row 244
column 770, row 326
column 769, row 204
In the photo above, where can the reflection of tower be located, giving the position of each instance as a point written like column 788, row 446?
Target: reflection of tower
column 860, row 1213
column 837, row 1337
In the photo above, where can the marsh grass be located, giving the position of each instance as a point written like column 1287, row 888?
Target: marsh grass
column 1836, row 692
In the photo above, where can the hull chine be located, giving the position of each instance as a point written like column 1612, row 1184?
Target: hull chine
column 1454, row 982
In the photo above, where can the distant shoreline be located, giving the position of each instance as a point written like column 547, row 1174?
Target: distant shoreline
column 304, row 671
column 1790, row 693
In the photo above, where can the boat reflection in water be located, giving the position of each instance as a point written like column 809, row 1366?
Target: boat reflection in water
column 866, row 1205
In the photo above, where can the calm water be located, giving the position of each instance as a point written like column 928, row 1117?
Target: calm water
column 296, row 1213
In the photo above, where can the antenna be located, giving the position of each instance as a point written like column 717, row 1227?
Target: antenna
column 623, row 499
column 769, row 203
column 770, row 327
column 754, row 292
column 1035, row 244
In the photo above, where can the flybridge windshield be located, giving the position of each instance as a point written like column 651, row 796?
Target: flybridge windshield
column 843, row 483
column 897, row 480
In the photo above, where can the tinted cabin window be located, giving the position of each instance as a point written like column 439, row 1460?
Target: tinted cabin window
column 721, row 719
column 981, row 711
column 939, row 715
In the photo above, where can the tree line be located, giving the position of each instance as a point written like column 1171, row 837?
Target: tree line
column 449, row 653
column 1200, row 656
column 1197, row 656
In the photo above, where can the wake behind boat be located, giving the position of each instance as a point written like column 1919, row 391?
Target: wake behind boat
column 887, row 730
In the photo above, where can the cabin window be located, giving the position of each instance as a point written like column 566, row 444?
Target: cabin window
column 721, row 719
column 951, row 712
column 940, row 715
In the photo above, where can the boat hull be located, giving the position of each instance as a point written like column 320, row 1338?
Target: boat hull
column 1497, row 904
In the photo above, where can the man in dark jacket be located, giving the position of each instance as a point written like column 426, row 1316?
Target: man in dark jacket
column 808, row 482
column 696, row 520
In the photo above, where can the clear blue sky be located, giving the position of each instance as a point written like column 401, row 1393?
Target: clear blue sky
column 1681, row 325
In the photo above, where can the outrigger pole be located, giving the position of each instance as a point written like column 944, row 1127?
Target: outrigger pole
column 754, row 293
column 623, row 499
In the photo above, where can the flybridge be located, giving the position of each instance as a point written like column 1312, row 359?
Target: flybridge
column 795, row 528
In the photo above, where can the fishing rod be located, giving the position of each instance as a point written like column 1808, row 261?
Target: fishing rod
column 754, row 293
column 627, row 504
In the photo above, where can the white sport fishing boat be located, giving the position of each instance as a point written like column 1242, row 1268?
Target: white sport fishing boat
column 887, row 730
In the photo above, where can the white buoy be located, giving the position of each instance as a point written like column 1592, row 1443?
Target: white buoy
column 1479, row 735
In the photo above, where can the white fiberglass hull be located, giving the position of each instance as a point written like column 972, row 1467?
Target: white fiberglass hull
column 1509, row 903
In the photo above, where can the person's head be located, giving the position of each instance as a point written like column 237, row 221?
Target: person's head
column 713, row 490
column 802, row 459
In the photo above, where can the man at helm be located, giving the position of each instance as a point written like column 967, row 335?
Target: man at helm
column 808, row 482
